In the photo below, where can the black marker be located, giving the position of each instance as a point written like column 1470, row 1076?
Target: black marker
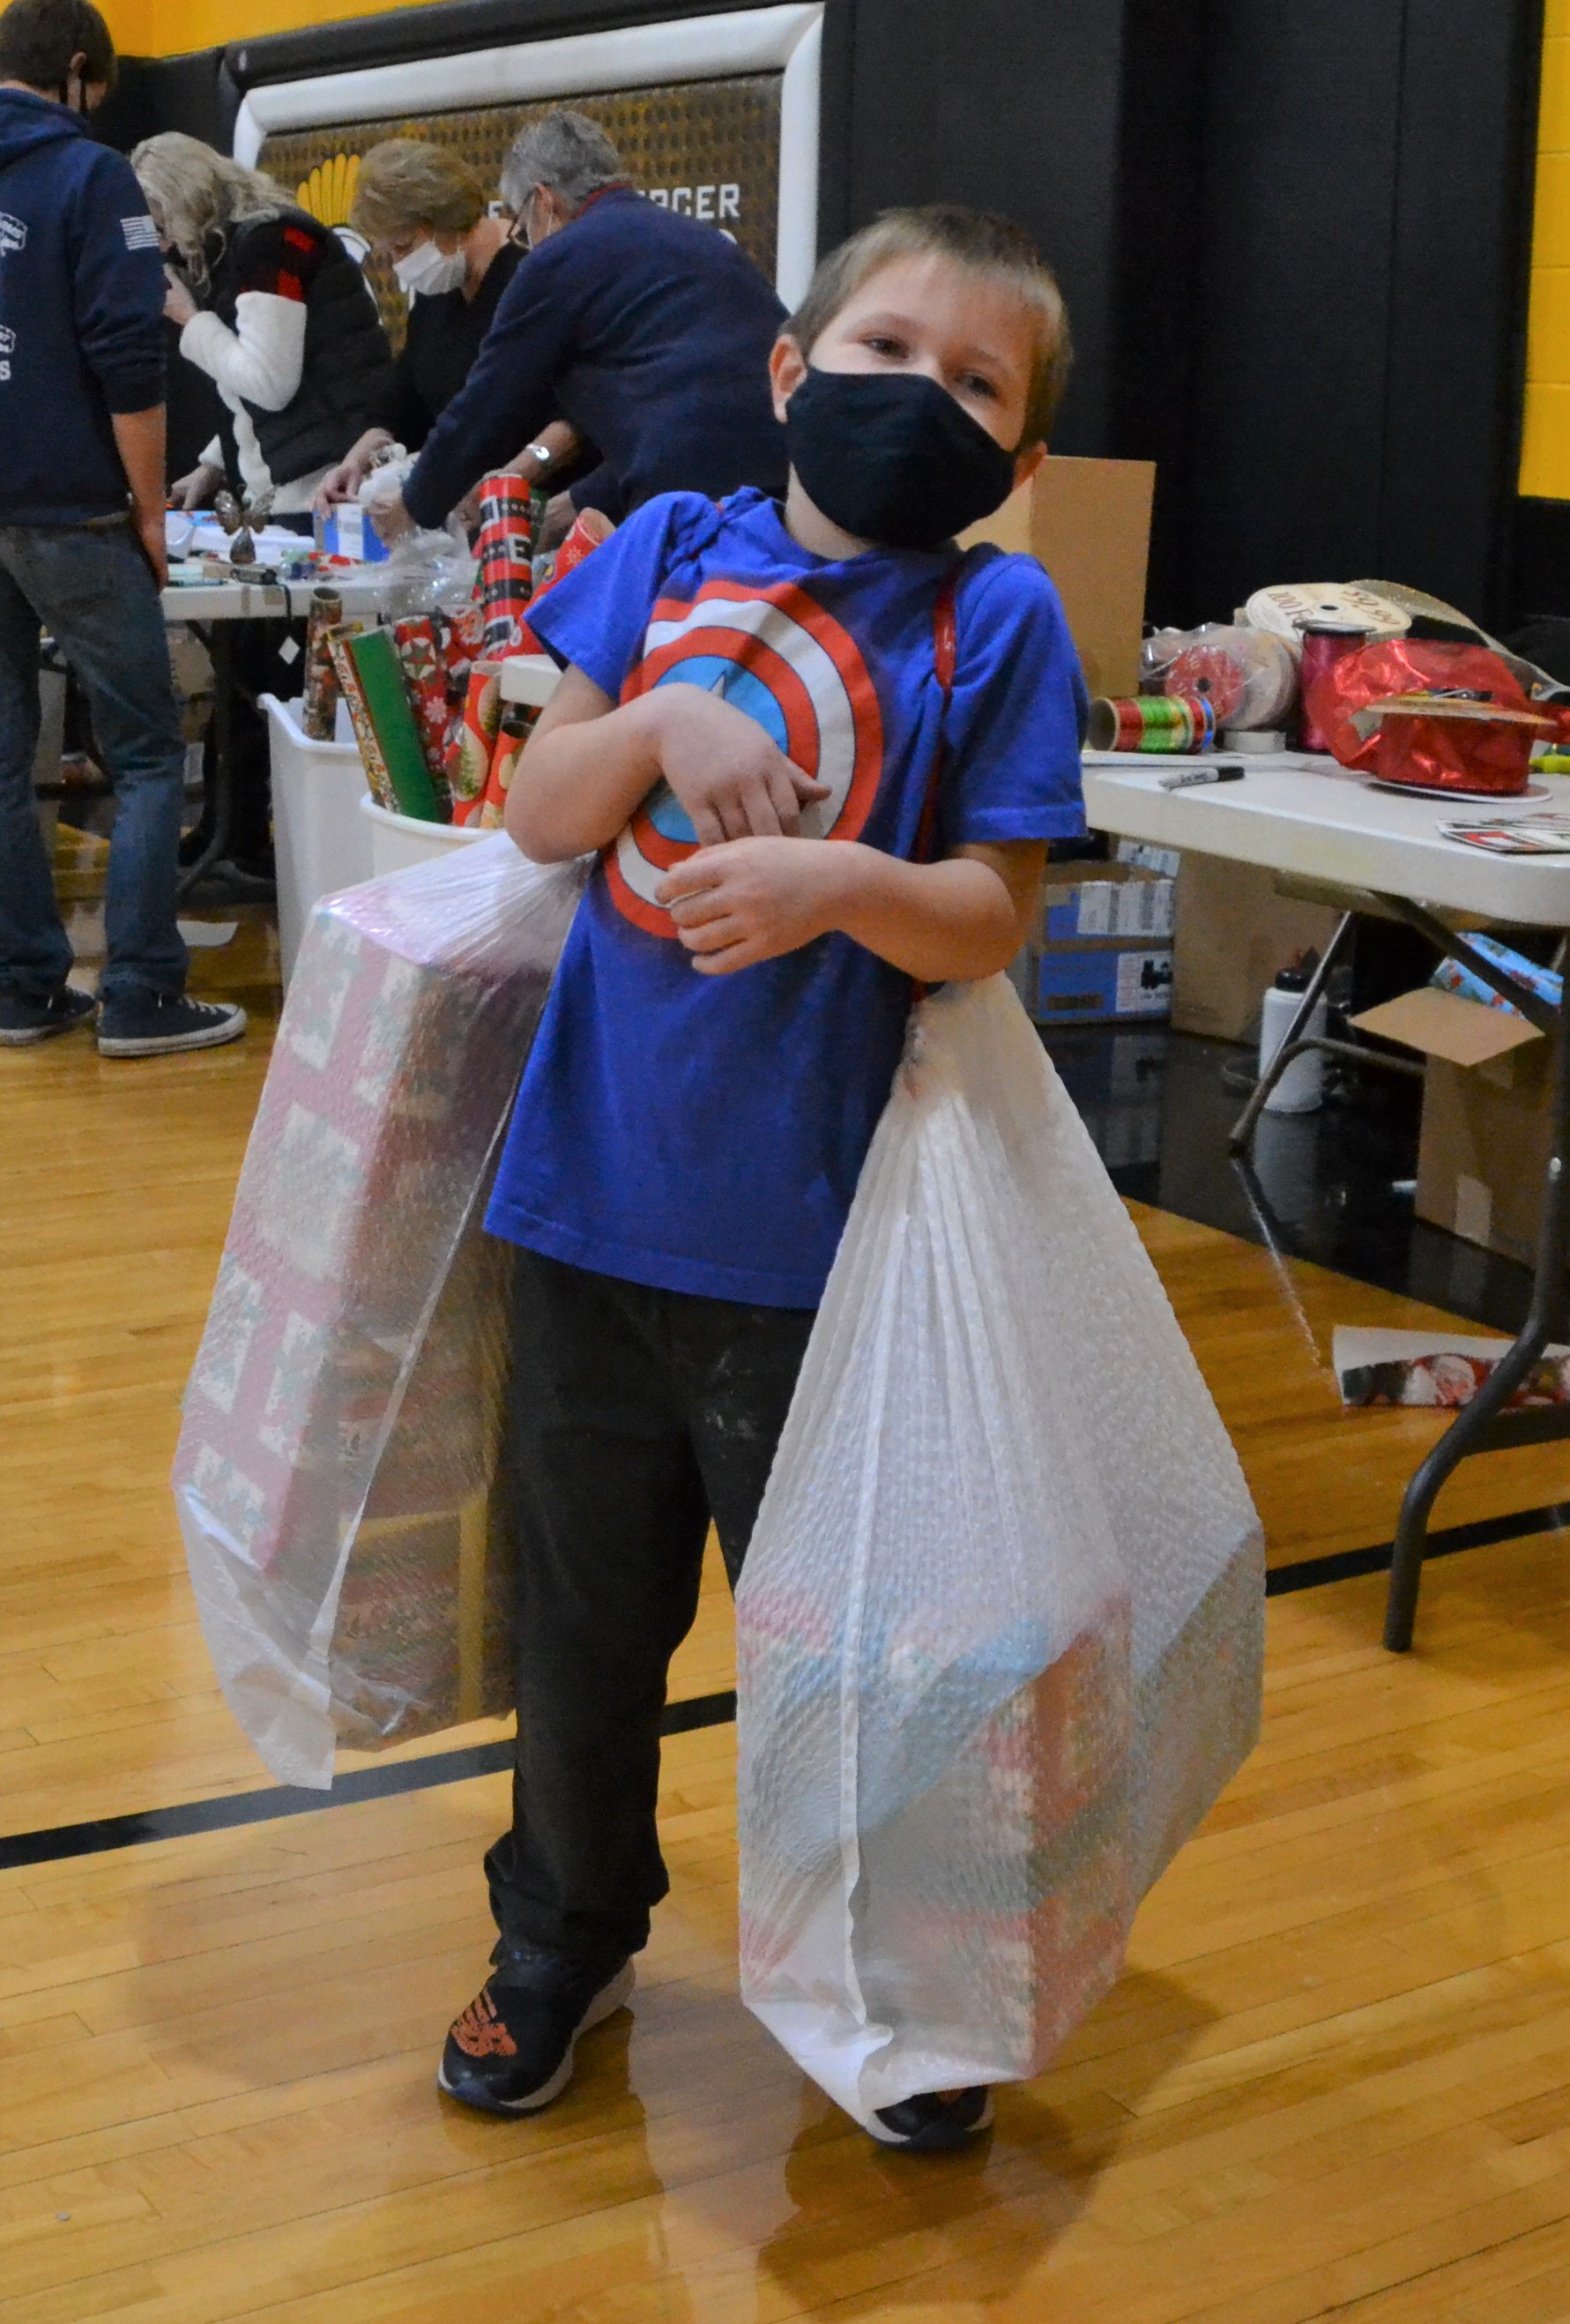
column 1217, row 771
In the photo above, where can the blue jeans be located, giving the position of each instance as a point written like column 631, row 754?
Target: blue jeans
column 94, row 590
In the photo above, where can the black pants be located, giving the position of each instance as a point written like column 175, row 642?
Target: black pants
column 636, row 1417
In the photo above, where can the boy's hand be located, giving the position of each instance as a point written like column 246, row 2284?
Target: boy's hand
column 725, row 770
column 752, row 899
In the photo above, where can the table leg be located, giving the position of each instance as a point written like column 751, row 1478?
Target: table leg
column 1243, row 1129
column 1484, row 1426
column 221, row 645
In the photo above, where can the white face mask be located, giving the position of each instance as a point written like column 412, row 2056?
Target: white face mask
column 429, row 271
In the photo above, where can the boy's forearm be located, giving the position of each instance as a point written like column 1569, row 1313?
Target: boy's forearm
column 578, row 785
column 940, row 922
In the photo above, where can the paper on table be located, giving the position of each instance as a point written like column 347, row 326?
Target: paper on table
column 1524, row 834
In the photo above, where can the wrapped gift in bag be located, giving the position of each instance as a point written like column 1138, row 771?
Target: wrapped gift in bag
column 1001, row 1625
column 336, row 1467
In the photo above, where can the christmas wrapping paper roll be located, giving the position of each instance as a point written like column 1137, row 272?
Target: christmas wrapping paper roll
column 371, row 758
column 517, row 725
column 318, row 709
column 470, row 766
column 385, row 697
column 505, row 551
column 419, row 654
column 463, row 637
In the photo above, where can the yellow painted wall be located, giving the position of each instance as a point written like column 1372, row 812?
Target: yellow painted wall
column 1545, row 441
column 169, row 28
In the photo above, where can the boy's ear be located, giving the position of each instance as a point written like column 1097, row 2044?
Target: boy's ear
column 787, row 370
column 1026, row 464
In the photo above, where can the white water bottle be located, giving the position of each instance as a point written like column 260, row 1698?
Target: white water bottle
column 1302, row 1088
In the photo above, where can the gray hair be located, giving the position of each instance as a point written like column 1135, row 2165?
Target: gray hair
column 567, row 152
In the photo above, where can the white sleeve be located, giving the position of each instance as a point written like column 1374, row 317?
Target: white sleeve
column 262, row 359
column 212, row 455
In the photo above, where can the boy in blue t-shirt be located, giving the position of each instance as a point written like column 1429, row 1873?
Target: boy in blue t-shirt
column 821, row 756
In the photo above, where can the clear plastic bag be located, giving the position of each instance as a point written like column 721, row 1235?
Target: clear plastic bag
column 334, row 1478
column 1001, row 1625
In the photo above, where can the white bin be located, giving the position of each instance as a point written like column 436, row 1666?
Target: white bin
column 320, row 837
column 397, row 841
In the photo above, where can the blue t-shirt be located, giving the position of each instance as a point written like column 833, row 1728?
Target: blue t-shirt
column 705, row 1134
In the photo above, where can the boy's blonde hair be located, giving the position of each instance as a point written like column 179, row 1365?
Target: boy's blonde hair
column 977, row 239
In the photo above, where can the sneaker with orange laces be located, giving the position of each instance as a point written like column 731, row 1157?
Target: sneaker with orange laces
column 511, row 2051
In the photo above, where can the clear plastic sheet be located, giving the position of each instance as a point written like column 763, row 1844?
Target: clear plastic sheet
column 335, row 1474
column 1001, row 1625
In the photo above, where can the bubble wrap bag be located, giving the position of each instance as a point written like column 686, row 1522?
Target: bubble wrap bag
column 1001, row 1624
column 343, row 1422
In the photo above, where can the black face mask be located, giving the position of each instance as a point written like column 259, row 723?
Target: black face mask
column 890, row 457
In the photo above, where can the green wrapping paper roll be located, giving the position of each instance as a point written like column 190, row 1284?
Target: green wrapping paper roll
column 384, row 700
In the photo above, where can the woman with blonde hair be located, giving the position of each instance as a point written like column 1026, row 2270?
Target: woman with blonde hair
column 423, row 211
column 273, row 307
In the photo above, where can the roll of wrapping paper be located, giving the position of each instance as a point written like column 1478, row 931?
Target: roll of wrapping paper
column 349, row 687
column 418, row 650
column 319, row 708
column 505, row 551
column 384, row 725
column 477, row 743
column 462, row 636
column 518, row 723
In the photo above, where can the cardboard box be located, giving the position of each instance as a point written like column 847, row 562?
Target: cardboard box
column 1107, row 899
column 1482, row 1153
column 1235, row 933
column 1088, row 522
column 1101, row 984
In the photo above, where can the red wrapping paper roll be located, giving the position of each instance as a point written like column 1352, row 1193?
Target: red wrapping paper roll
column 477, row 742
column 505, row 551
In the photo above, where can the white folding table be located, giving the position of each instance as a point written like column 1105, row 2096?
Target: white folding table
column 211, row 608
column 1313, row 820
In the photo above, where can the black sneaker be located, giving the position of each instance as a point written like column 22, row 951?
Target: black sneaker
column 26, row 1017
column 930, row 2125
column 511, row 2051
column 155, row 1024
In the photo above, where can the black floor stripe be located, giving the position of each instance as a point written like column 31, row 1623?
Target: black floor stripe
column 68, row 1840
column 386, row 1782
column 1343, row 1564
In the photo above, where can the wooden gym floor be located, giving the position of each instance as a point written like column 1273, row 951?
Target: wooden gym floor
column 1333, row 2081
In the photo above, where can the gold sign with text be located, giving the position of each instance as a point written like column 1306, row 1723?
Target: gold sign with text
column 708, row 149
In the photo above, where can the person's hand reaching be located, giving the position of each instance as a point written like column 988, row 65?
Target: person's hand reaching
column 179, row 305
column 733, row 780
column 341, row 484
column 196, row 490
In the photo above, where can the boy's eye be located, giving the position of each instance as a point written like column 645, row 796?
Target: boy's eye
column 975, row 382
column 880, row 343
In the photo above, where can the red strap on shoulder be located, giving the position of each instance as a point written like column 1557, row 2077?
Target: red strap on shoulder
column 945, row 654
column 945, row 632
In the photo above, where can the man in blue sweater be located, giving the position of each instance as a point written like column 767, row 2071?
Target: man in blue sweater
column 649, row 332
column 81, row 540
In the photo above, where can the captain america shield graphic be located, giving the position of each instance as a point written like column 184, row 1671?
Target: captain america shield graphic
column 776, row 655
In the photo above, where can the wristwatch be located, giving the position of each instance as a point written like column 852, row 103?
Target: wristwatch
column 539, row 452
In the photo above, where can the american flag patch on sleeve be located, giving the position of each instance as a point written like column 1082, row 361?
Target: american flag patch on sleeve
column 140, row 233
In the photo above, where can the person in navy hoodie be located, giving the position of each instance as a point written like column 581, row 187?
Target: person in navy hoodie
column 81, row 540
column 649, row 332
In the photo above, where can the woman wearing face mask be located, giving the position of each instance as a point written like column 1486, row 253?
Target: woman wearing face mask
column 423, row 210
column 274, row 309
